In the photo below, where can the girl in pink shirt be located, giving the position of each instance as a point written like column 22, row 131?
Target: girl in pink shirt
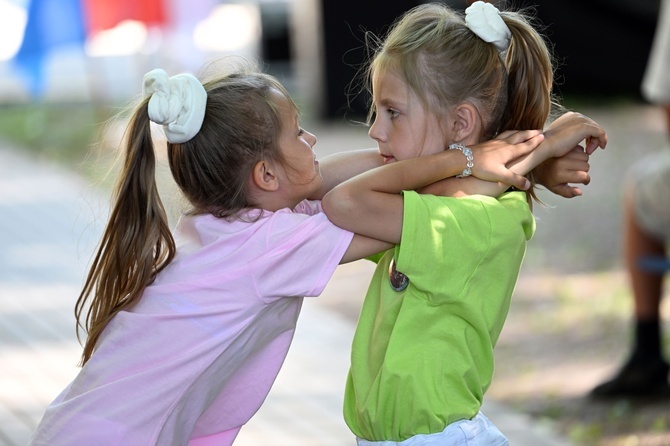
column 187, row 330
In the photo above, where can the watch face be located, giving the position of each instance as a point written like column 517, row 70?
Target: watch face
column 398, row 280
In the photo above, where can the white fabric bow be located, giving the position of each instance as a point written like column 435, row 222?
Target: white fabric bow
column 177, row 102
column 485, row 21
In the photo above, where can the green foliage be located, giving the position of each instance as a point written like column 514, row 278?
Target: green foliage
column 58, row 132
column 586, row 433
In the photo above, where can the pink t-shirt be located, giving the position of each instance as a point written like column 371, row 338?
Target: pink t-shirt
column 194, row 360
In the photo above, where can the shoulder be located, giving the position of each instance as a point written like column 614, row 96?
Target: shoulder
column 255, row 228
column 509, row 210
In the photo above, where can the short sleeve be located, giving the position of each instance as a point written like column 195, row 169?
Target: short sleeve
column 301, row 254
column 445, row 240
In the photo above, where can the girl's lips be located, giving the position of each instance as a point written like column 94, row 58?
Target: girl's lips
column 387, row 159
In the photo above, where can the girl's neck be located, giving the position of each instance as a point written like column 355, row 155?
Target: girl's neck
column 273, row 201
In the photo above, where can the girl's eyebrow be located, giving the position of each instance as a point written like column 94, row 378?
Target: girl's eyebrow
column 386, row 102
column 391, row 102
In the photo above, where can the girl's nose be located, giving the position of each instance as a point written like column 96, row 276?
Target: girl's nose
column 310, row 138
column 375, row 131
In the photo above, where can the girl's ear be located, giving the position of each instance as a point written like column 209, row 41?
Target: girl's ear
column 467, row 125
column 264, row 176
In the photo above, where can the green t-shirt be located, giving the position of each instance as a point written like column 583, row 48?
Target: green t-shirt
column 422, row 357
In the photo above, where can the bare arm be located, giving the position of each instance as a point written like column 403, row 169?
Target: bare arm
column 362, row 247
column 558, row 172
column 370, row 204
column 557, row 160
column 341, row 166
column 558, row 175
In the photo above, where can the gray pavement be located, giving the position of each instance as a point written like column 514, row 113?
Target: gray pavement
column 50, row 220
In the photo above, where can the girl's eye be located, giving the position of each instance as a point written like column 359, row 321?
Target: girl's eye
column 301, row 131
column 394, row 114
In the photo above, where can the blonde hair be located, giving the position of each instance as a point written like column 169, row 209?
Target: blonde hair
column 241, row 127
column 445, row 63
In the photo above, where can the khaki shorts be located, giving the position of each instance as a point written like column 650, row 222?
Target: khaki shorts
column 650, row 180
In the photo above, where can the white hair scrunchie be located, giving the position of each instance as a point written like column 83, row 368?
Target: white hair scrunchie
column 177, row 102
column 484, row 20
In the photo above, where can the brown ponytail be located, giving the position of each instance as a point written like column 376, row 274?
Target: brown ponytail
column 530, row 79
column 530, row 76
column 241, row 126
column 136, row 243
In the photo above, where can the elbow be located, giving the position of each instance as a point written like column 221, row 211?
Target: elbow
column 338, row 205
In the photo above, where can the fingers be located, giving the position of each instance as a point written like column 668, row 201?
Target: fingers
column 593, row 134
column 573, row 176
column 593, row 142
column 491, row 158
column 518, row 136
column 514, row 143
column 559, row 174
column 572, row 171
column 525, row 142
column 575, row 160
column 518, row 181
column 577, row 153
column 566, row 191
column 506, row 134
column 582, row 128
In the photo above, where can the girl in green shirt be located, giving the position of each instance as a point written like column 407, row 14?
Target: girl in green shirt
column 422, row 355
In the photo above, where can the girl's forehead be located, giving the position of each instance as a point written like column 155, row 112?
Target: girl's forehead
column 280, row 99
column 388, row 85
column 387, row 76
column 283, row 104
column 391, row 89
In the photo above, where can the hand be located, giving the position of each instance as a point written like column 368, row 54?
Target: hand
column 571, row 129
column 492, row 157
column 556, row 174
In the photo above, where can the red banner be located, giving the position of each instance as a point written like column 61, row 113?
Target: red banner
column 101, row 15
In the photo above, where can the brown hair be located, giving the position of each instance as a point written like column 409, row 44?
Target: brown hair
column 241, row 127
column 445, row 63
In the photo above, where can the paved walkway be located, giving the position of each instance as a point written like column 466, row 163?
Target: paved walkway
column 50, row 221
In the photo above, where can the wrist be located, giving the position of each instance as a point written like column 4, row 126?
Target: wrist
column 469, row 160
column 546, row 149
column 539, row 173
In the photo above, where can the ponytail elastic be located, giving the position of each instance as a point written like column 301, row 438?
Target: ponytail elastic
column 177, row 102
column 484, row 20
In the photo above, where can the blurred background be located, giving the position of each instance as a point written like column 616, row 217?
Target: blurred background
column 98, row 50
column 68, row 66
